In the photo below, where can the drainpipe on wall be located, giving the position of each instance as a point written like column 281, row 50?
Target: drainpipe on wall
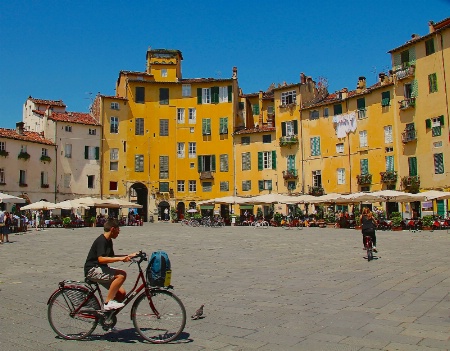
column 56, row 162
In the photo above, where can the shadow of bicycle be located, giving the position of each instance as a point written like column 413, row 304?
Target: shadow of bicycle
column 130, row 336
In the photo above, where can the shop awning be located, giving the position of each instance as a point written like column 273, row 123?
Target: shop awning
column 246, row 207
column 207, row 207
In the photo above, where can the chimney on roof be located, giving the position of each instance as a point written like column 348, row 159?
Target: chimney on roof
column 415, row 36
column 343, row 93
column 382, row 78
column 19, row 128
column 302, row 78
column 234, row 76
column 431, row 26
column 361, row 85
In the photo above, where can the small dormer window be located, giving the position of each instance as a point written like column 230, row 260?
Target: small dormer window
column 164, row 73
column 68, row 128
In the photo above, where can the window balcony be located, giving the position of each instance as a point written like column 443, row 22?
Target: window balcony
column 206, row 175
column 406, row 71
column 409, row 135
column 411, row 184
column 389, row 177
column 23, row 185
column 45, row 158
column 45, row 186
column 407, row 103
column 290, row 174
column 364, row 179
column 23, row 155
column 288, row 140
column 315, row 190
column 4, row 153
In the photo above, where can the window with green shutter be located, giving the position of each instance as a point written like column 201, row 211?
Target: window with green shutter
column 246, row 185
column 439, row 163
column 164, row 187
column 255, row 109
column 163, row 96
column 199, row 96
column 223, row 127
column 246, row 161
column 139, row 163
column 337, row 109
column 315, row 146
column 389, row 163
column 412, row 166
column 414, row 88
column 436, row 131
column 429, row 47
column 432, row 83
column 361, row 104
column 224, row 163
column 206, row 126
column 364, row 166
column 385, row 98
column 215, row 95
column 230, row 93
column 139, row 96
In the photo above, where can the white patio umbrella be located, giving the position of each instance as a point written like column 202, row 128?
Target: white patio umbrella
column 69, row 205
column 6, row 198
column 40, row 205
column 300, row 199
column 265, row 199
column 397, row 196
column 225, row 200
column 435, row 195
column 358, row 197
column 121, row 203
column 328, row 198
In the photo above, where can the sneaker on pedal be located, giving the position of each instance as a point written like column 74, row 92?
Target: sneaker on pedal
column 374, row 249
column 113, row 305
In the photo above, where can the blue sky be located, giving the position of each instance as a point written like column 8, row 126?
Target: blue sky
column 71, row 50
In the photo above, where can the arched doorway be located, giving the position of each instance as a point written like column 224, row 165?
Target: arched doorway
column 164, row 211
column 180, row 210
column 139, row 193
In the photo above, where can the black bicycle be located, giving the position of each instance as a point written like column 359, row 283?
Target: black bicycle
column 158, row 314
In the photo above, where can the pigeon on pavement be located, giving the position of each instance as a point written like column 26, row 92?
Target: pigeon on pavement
column 198, row 313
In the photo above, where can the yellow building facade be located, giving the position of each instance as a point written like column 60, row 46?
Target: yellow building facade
column 173, row 136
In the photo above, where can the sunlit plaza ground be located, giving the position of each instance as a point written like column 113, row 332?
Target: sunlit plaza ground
column 263, row 289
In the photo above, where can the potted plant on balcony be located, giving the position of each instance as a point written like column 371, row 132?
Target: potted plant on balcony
column 23, row 155
column 45, row 158
column 4, row 153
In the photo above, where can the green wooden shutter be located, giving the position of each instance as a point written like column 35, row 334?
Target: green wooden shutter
column 361, row 104
column 439, row 163
column 97, row 153
column 283, row 128
column 397, row 62
column 260, row 161
column 428, row 123
column 269, row 184
column 261, row 185
column 213, row 163
column 274, row 159
column 440, row 207
column 199, row 96
column 295, row 127
column 385, row 98
column 412, row 164
column 364, row 165
column 414, row 88
column 215, row 95
column 441, row 120
column 86, row 152
column 200, row 163
column 255, row 109
column 230, row 93
column 389, row 163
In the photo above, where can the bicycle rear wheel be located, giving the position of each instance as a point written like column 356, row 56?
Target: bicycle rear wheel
column 164, row 327
column 61, row 318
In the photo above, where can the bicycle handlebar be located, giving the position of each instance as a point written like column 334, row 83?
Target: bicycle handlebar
column 139, row 258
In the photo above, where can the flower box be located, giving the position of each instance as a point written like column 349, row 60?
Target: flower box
column 4, row 153
column 45, row 158
column 23, row 155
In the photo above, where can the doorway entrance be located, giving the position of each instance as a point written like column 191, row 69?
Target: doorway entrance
column 139, row 193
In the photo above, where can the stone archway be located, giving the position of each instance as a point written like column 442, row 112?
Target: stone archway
column 181, row 207
column 139, row 192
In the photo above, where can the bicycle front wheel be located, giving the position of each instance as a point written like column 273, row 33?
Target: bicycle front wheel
column 165, row 323
column 61, row 315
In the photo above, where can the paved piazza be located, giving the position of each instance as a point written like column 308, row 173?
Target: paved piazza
column 263, row 289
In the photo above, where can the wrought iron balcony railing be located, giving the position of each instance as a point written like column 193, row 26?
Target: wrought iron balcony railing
column 288, row 140
column 315, row 190
column 407, row 103
column 364, row 179
column 405, row 72
column 409, row 135
column 290, row 174
column 389, row 177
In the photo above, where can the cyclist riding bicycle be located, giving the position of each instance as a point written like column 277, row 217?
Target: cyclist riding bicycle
column 368, row 225
column 96, row 267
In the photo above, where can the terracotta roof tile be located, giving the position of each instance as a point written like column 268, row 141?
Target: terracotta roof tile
column 26, row 136
column 74, row 117
column 59, row 103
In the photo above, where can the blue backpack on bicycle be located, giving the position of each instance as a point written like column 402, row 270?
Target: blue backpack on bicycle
column 158, row 269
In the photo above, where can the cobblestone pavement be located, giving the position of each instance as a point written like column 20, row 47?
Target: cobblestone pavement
column 263, row 289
